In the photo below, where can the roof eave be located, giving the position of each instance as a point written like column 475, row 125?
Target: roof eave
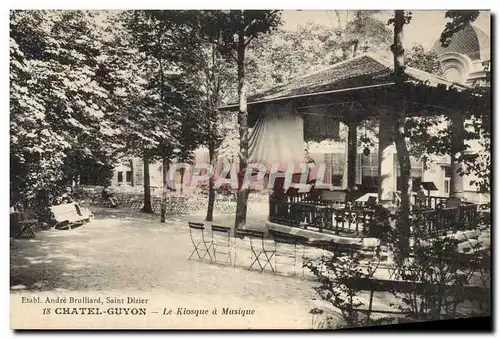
column 227, row 107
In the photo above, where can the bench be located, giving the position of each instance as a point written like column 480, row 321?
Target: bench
column 337, row 246
column 68, row 215
column 387, row 285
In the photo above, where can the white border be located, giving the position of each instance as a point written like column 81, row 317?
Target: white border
column 185, row 4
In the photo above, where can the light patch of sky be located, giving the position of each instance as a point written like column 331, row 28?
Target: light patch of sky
column 424, row 28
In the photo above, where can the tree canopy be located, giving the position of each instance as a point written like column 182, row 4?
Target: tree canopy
column 90, row 87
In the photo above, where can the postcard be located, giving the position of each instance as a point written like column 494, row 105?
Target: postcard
column 249, row 169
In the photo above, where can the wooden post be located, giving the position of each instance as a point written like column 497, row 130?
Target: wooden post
column 352, row 152
column 456, row 180
column 132, row 172
column 370, row 305
column 386, row 173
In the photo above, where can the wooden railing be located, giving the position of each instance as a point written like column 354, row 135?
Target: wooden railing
column 334, row 217
column 437, row 221
column 320, row 216
column 431, row 202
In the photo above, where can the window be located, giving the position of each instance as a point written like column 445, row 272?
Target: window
column 369, row 171
column 448, row 172
column 335, row 163
column 336, row 166
column 416, row 171
column 446, row 186
column 120, row 177
column 128, row 176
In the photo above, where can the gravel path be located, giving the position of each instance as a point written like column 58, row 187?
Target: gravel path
column 124, row 253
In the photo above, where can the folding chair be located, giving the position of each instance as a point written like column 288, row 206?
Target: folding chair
column 283, row 243
column 199, row 242
column 222, row 242
column 258, row 249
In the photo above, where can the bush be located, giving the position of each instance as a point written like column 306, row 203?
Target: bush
column 440, row 274
column 443, row 276
column 335, row 272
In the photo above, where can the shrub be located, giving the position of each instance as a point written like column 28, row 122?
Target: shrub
column 335, row 272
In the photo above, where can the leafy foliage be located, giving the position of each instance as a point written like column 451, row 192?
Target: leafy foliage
column 419, row 58
column 459, row 19
column 276, row 58
column 58, row 106
column 438, row 280
column 334, row 273
column 225, row 27
column 441, row 275
column 357, row 31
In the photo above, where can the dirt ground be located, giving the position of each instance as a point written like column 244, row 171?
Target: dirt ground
column 125, row 252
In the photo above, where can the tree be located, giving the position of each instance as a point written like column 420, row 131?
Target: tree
column 399, row 131
column 168, row 51
column 424, row 132
column 419, row 58
column 278, row 57
column 59, row 109
column 126, row 72
column 459, row 20
column 233, row 31
column 357, row 30
column 216, row 78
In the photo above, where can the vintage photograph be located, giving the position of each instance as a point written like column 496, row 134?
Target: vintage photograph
column 250, row 169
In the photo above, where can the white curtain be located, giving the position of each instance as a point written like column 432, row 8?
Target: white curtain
column 277, row 138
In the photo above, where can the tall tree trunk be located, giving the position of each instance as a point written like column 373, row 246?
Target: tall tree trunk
column 182, row 172
column 345, row 52
column 399, row 136
column 132, row 172
column 213, row 102
column 164, row 193
column 211, row 190
column 76, row 180
column 242, row 197
column 355, row 48
column 147, row 208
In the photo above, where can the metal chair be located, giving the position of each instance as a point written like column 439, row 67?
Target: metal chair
column 258, row 249
column 196, row 232
column 283, row 249
column 222, row 243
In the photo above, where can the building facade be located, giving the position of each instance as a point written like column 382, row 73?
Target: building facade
column 466, row 62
